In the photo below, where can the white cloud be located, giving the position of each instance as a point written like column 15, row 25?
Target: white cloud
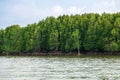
column 58, row 9
column 75, row 10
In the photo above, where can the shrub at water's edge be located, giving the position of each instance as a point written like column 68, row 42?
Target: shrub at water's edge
column 67, row 34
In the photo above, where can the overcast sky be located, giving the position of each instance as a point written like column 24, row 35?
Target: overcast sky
column 23, row 12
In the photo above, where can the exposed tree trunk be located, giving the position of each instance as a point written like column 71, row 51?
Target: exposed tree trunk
column 78, row 52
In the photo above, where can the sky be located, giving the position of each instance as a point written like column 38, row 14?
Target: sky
column 25, row 12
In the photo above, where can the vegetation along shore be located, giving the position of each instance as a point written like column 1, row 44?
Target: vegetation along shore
column 67, row 34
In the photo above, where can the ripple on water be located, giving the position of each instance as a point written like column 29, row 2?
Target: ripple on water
column 59, row 68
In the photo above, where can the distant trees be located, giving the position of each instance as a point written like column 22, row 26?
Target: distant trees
column 86, row 32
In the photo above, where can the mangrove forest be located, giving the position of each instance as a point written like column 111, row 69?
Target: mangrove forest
column 88, row 32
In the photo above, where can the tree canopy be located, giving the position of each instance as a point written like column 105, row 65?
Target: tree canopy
column 66, row 33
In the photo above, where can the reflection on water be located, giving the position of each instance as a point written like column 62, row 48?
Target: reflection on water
column 59, row 68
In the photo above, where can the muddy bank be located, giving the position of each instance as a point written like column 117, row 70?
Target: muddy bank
column 60, row 53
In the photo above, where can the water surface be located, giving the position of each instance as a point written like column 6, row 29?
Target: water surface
column 59, row 68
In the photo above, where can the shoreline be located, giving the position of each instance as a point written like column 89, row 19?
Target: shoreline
column 57, row 53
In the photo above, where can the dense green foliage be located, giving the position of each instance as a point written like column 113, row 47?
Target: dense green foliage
column 86, row 32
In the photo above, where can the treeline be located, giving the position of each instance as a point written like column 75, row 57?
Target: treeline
column 75, row 33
